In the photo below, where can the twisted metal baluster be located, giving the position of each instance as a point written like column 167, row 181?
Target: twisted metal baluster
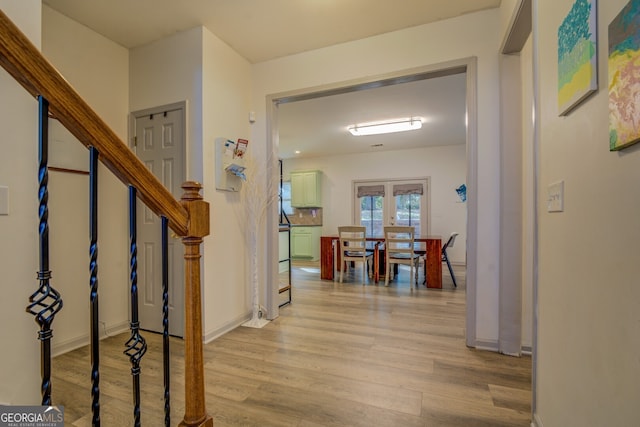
column 93, row 283
column 136, row 346
column 165, row 320
column 46, row 302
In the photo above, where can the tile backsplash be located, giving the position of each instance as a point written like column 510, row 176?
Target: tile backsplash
column 306, row 216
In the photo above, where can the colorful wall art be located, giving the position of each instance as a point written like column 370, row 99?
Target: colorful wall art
column 577, row 56
column 624, row 77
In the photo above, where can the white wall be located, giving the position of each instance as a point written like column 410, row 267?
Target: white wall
column 589, row 299
column 169, row 71
column 20, row 357
column 426, row 45
column 446, row 166
column 98, row 69
column 226, row 105
column 215, row 82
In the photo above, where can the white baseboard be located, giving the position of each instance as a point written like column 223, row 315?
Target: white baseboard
column 74, row 343
column 212, row 335
column 487, row 345
column 536, row 421
column 81, row 341
column 491, row 345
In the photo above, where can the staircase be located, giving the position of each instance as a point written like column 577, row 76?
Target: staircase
column 188, row 218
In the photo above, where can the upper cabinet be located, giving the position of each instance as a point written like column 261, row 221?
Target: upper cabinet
column 305, row 189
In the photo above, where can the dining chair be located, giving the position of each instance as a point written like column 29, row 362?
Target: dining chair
column 445, row 257
column 399, row 249
column 353, row 247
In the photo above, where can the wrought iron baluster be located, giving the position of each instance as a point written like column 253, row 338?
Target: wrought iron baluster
column 46, row 301
column 165, row 320
column 136, row 346
column 93, row 283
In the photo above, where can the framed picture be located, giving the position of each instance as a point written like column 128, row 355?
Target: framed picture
column 624, row 77
column 577, row 56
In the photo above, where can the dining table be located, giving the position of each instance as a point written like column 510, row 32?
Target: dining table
column 429, row 245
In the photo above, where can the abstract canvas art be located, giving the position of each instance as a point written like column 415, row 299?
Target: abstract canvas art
column 624, row 77
column 577, row 56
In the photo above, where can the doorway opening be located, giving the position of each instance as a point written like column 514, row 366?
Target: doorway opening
column 465, row 66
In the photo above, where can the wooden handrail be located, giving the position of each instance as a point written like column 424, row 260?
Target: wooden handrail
column 29, row 67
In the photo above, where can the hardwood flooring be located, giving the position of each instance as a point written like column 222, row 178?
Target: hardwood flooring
column 339, row 355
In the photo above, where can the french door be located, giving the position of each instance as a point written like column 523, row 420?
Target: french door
column 392, row 202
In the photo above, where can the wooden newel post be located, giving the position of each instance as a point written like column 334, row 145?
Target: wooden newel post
column 198, row 210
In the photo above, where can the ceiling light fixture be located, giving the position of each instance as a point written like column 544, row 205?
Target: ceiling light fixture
column 386, row 127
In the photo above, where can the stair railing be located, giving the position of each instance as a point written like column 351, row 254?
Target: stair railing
column 188, row 218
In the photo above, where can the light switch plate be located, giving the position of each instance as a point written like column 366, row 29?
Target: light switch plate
column 555, row 197
column 4, row 200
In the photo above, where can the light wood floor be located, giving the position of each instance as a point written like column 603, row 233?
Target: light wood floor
column 340, row 355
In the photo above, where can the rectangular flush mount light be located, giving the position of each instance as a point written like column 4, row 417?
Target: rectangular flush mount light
column 386, row 127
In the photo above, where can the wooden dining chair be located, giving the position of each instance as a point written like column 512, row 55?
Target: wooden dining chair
column 399, row 249
column 353, row 247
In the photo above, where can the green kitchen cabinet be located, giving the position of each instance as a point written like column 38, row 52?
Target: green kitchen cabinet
column 306, row 189
column 305, row 243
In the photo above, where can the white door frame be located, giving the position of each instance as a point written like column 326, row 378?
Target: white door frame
column 464, row 65
column 518, row 32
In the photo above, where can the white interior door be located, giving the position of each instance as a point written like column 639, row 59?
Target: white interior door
column 159, row 143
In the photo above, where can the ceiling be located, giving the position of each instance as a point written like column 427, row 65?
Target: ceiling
column 318, row 127
column 261, row 30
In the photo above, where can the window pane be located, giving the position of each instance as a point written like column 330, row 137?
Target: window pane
column 408, row 211
column 286, row 197
column 371, row 214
